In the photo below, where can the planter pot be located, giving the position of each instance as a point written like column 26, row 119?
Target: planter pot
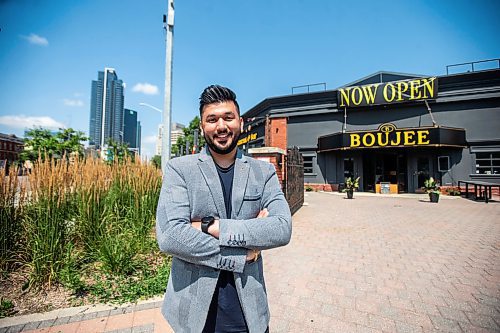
column 434, row 197
column 349, row 194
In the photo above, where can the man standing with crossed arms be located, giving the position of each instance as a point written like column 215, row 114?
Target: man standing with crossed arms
column 217, row 211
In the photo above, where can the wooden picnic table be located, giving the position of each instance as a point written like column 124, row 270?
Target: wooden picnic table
column 480, row 188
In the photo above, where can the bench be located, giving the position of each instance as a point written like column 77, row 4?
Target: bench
column 484, row 189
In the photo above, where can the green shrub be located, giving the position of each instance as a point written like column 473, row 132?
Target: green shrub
column 6, row 307
column 453, row 191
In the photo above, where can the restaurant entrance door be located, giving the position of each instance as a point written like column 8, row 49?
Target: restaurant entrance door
column 384, row 167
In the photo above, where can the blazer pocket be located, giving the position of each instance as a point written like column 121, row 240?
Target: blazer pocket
column 252, row 197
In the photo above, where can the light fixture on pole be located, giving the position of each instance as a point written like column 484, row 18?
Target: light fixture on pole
column 160, row 126
column 152, row 107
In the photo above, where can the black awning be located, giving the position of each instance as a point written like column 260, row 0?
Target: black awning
column 389, row 136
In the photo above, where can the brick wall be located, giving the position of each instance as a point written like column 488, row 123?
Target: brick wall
column 322, row 187
column 276, row 133
column 273, row 155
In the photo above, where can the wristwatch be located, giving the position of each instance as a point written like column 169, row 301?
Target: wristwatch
column 206, row 222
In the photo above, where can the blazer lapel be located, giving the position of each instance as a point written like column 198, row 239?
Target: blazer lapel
column 241, row 171
column 207, row 167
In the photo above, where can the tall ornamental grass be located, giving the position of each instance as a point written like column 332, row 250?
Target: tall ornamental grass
column 83, row 213
column 12, row 199
column 116, row 207
column 47, row 216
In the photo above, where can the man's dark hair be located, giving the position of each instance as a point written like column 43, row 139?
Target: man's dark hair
column 217, row 94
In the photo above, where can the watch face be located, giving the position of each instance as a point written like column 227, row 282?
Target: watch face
column 207, row 219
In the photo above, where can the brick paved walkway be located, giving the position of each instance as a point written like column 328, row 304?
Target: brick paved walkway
column 371, row 264
column 388, row 265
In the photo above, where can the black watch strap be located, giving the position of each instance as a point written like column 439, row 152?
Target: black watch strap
column 206, row 222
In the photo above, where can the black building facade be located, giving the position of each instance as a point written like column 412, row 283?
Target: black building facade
column 390, row 128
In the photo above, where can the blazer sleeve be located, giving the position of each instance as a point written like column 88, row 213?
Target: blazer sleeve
column 176, row 236
column 261, row 233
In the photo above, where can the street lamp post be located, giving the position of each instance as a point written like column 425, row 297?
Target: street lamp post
column 168, row 25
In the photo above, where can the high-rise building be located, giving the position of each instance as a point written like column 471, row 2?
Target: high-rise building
column 132, row 130
column 176, row 132
column 106, row 109
column 139, row 131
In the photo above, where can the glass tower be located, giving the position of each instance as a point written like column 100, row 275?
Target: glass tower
column 132, row 130
column 106, row 109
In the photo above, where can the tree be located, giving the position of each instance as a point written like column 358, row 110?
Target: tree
column 52, row 145
column 117, row 151
column 69, row 141
column 189, row 136
column 156, row 161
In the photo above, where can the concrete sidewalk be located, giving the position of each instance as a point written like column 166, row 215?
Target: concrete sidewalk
column 143, row 317
column 371, row 264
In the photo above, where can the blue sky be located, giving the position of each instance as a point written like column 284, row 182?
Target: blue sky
column 50, row 51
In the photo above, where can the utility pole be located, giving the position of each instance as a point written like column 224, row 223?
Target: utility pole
column 168, row 25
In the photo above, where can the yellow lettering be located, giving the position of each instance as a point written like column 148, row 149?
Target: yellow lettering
column 421, row 136
column 409, row 138
column 402, row 87
column 365, row 140
column 429, row 84
column 398, row 139
column 379, row 139
column 344, row 93
column 370, row 92
column 393, row 92
column 357, row 89
column 355, row 140
column 414, row 88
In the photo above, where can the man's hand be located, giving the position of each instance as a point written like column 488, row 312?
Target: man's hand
column 253, row 255
column 263, row 213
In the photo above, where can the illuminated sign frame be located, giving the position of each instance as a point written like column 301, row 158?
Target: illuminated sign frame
column 389, row 136
column 388, row 93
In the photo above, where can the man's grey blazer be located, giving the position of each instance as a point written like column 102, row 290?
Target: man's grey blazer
column 192, row 190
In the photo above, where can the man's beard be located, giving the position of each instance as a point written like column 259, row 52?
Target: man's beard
column 223, row 151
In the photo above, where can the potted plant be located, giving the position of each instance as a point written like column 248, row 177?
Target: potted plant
column 432, row 188
column 350, row 185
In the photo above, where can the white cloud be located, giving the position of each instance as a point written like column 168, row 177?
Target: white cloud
column 149, row 139
column 36, row 40
column 145, row 88
column 73, row 102
column 29, row 122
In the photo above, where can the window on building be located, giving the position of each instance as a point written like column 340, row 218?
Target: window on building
column 308, row 164
column 488, row 163
column 348, row 167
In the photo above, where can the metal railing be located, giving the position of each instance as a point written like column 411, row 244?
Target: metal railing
column 308, row 86
column 472, row 63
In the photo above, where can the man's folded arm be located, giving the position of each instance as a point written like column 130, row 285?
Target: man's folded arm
column 176, row 236
column 261, row 233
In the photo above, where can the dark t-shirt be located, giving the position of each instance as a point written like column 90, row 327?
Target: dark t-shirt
column 225, row 313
